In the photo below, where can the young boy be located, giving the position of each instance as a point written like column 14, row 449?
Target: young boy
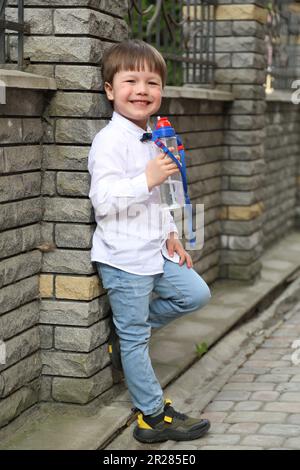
column 135, row 245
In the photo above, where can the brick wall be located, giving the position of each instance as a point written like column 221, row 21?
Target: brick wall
column 66, row 42
column 200, row 123
column 20, row 260
column 282, row 149
column 241, row 70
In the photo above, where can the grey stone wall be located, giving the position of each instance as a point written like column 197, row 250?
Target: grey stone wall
column 282, row 157
column 20, row 259
column 66, row 42
column 200, row 124
column 241, row 70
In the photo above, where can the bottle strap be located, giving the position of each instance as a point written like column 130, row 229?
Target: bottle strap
column 182, row 168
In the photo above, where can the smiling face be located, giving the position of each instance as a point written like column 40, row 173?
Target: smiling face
column 136, row 94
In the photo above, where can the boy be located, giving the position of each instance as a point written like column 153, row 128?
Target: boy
column 135, row 245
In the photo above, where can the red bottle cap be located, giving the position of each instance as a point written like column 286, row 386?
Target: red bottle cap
column 163, row 122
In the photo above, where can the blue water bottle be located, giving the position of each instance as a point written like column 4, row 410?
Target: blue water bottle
column 171, row 190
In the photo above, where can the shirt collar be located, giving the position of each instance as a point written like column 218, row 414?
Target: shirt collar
column 129, row 125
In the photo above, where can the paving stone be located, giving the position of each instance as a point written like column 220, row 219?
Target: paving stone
column 242, row 378
column 280, row 429
column 243, row 428
column 290, row 396
column 255, row 417
column 293, row 443
column 288, row 357
column 294, row 419
column 265, row 441
column 220, row 406
column 276, row 342
column 265, row 396
column 282, row 333
column 291, row 407
column 253, row 370
column 248, row 406
column 217, row 439
column 214, row 416
column 270, row 364
column 296, row 378
column 219, row 428
column 247, row 387
column 289, row 387
column 274, row 378
column 267, row 355
column 285, row 371
column 232, row 396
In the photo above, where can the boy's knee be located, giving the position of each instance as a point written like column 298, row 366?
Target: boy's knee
column 200, row 297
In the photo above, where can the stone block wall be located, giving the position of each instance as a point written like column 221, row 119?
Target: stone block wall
column 282, row 157
column 241, row 70
column 200, row 123
column 20, row 258
column 66, row 42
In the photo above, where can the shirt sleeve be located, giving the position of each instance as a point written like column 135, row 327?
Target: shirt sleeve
column 172, row 225
column 111, row 190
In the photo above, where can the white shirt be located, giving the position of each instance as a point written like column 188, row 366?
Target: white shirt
column 132, row 227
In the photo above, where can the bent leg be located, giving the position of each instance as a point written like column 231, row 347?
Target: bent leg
column 181, row 290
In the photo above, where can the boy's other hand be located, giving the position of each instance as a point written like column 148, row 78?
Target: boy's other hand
column 159, row 169
column 175, row 246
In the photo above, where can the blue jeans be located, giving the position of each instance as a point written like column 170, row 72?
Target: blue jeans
column 180, row 289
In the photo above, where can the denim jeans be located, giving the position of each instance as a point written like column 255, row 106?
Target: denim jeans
column 180, row 290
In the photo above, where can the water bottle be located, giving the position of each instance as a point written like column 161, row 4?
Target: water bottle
column 171, row 190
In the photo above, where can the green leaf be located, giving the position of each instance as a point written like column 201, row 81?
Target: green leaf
column 201, row 349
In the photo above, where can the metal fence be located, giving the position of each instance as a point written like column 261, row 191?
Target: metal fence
column 283, row 48
column 183, row 31
column 15, row 26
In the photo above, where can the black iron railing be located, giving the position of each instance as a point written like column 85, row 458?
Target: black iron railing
column 283, row 47
column 15, row 26
column 183, row 31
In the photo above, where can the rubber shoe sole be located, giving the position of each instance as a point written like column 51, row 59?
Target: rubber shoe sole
column 150, row 436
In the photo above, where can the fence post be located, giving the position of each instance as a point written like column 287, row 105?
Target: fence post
column 241, row 47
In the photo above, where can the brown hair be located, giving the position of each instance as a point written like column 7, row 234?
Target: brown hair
column 132, row 54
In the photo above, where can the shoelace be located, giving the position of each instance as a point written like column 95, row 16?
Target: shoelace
column 175, row 414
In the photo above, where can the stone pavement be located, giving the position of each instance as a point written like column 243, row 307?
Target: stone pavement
column 258, row 407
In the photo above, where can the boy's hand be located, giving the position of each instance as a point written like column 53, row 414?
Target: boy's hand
column 159, row 169
column 175, row 246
